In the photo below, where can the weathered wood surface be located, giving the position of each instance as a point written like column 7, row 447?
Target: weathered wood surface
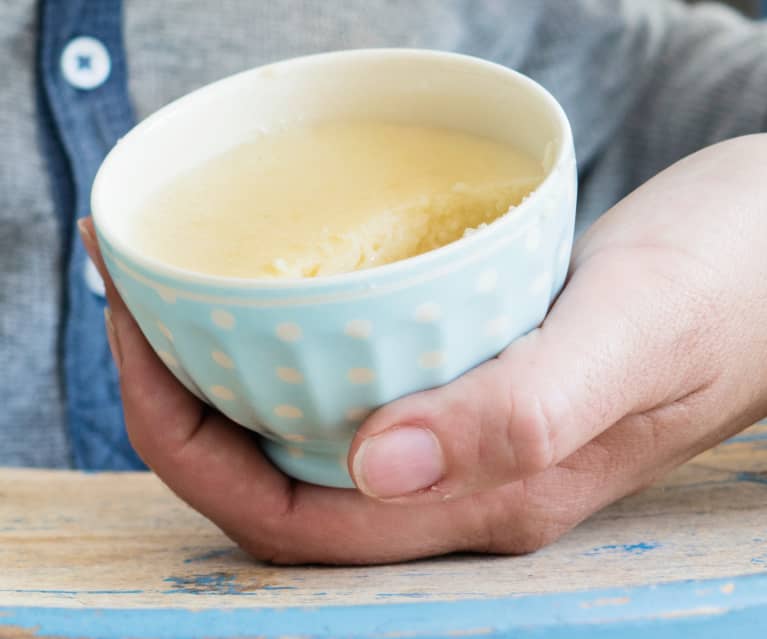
column 122, row 541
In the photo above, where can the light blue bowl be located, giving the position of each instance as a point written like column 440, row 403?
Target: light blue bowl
column 303, row 362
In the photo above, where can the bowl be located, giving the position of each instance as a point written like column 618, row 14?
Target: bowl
column 302, row 362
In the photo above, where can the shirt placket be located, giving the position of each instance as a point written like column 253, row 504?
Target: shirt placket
column 84, row 108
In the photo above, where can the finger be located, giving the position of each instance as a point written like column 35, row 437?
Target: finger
column 617, row 342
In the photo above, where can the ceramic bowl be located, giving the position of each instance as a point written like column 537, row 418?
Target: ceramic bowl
column 303, row 362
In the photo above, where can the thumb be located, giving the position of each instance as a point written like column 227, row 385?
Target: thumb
column 609, row 348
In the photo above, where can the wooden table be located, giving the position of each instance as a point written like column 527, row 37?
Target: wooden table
column 116, row 555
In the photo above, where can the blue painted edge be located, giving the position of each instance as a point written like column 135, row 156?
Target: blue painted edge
column 710, row 608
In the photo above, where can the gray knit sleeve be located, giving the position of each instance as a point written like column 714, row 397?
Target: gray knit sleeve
column 644, row 82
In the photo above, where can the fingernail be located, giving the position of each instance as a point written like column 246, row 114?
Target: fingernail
column 114, row 342
column 398, row 462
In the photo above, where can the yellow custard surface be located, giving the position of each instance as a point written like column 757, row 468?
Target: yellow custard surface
column 332, row 198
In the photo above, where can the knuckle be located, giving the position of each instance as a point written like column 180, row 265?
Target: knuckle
column 535, row 539
column 530, row 434
column 265, row 547
column 269, row 536
column 263, row 550
column 521, row 537
column 526, row 542
column 282, row 557
column 526, row 536
column 520, row 521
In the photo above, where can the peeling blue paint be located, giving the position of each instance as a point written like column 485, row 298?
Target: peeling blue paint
column 217, row 584
column 755, row 477
column 73, row 593
column 700, row 609
column 211, row 554
column 214, row 583
column 629, row 549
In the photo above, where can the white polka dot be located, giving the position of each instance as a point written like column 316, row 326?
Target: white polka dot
column 165, row 330
column 288, row 411
column 289, row 332
column 541, row 284
column 222, row 359
column 357, row 414
column 294, row 437
column 289, row 375
column 359, row 329
column 295, row 452
column 533, row 238
column 222, row 319
column 361, row 375
column 497, row 326
column 432, row 359
column 563, row 254
column 487, row 281
column 166, row 294
column 222, row 392
column 168, row 358
column 428, row 312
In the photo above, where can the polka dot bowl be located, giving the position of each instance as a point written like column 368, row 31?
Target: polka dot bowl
column 303, row 362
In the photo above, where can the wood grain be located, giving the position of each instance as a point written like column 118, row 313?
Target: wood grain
column 70, row 539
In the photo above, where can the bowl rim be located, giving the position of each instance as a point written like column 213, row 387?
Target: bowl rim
column 476, row 241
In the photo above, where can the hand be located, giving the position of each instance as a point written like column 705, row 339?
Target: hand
column 655, row 351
